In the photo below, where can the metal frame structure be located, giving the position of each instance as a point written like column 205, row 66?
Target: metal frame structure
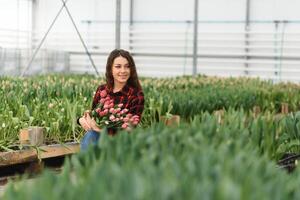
column 64, row 2
column 244, row 51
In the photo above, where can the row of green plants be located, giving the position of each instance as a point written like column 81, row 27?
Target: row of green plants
column 55, row 101
column 200, row 159
column 190, row 95
column 210, row 155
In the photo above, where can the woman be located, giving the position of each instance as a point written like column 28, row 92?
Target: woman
column 123, row 86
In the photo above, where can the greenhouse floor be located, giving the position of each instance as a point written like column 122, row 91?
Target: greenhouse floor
column 3, row 186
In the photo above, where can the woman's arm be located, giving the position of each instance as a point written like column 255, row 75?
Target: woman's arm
column 137, row 104
column 84, row 124
column 91, row 122
column 88, row 123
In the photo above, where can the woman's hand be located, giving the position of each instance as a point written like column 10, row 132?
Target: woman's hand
column 85, row 125
column 92, row 123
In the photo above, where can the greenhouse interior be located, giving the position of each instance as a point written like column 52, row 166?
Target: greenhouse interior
column 132, row 99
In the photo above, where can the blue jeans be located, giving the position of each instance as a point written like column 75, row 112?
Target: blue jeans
column 90, row 138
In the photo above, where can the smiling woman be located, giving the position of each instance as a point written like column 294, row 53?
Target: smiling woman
column 118, row 104
column 120, row 72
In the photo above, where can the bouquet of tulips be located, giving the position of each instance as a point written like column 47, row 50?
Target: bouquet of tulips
column 107, row 114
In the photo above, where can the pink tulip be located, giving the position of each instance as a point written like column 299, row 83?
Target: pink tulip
column 102, row 101
column 106, row 102
column 103, row 93
column 125, row 110
column 111, row 110
column 106, row 106
column 126, row 119
column 120, row 105
column 102, row 114
column 125, row 125
column 105, row 111
column 136, row 118
column 135, row 122
column 111, row 117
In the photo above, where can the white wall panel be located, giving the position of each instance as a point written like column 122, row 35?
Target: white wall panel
column 222, row 10
column 166, row 10
column 161, row 38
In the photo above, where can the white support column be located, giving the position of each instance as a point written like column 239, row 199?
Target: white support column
column 34, row 17
column 247, row 36
column 195, row 46
column 131, row 8
column 118, row 24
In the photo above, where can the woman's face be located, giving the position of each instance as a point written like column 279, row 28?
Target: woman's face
column 120, row 70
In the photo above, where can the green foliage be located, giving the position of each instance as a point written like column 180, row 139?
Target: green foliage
column 55, row 102
column 208, row 156
column 187, row 162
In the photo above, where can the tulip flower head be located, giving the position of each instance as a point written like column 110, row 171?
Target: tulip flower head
column 107, row 114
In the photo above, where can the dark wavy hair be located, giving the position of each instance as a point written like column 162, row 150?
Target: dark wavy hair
column 133, row 80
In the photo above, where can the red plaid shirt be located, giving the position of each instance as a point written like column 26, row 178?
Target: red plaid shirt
column 131, row 98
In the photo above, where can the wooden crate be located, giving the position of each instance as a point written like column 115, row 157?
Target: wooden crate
column 29, row 155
